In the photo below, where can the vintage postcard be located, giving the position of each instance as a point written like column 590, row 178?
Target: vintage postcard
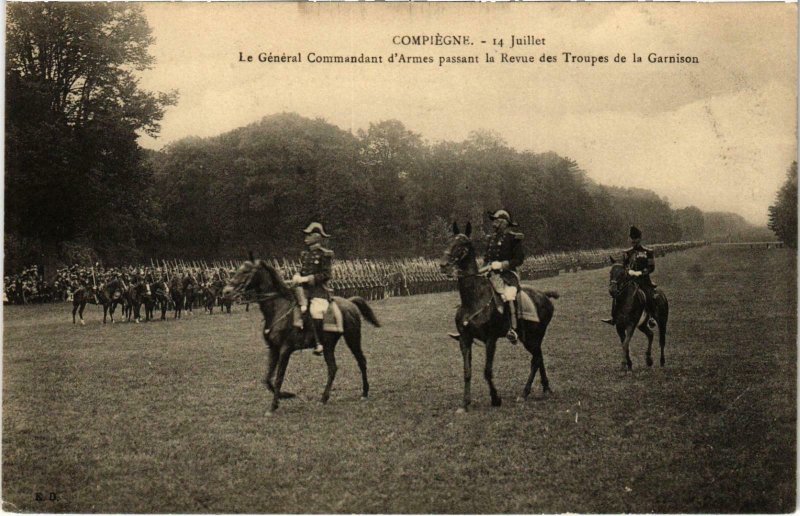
column 400, row 257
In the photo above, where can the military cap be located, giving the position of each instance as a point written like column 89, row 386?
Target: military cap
column 635, row 232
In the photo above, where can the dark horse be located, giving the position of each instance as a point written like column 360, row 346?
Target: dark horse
column 478, row 317
column 176, row 294
column 631, row 313
column 277, row 302
column 106, row 295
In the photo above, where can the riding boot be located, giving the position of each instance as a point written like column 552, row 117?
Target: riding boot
column 318, row 335
column 512, row 313
column 651, row 311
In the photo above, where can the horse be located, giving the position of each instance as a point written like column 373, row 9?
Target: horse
column 225, row 301
column 631, row 313
column 190, row 292
column 104, row 296
column 176, row 293
column 148, row 299
column 135, row 295
column 278, row 303
column 209, row 295
column 478, row 317
column 161, row 297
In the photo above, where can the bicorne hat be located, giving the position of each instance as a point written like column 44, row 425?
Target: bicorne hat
column 635, row 232
column 315, row 227
column 501, row 214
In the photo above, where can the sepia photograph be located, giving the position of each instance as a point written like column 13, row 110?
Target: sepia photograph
column 400, row 258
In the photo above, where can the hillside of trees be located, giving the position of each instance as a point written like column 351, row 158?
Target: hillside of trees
column 730, row 227
column 384, row 192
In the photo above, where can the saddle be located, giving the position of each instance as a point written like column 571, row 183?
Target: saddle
column 332, row 321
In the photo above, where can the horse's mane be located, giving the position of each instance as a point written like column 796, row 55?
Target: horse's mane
column 276, row 277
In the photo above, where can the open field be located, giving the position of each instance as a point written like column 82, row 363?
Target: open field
column 169, row 417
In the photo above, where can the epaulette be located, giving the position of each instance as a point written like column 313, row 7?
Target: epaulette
column 517, row 236
column 647, row 249
column 628, row 250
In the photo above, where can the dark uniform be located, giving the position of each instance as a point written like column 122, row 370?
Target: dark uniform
column 640, row 259
column 317, row 262
column 506, row 248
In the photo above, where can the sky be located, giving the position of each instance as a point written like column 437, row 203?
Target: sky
column 719, row 134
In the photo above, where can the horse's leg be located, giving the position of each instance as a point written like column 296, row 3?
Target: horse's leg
column 74, row 311
column 80, row 312
column 465, row 342
column 491, row 347
column 353, row 341
column 283, row 361
column 662, row 328
column 329, row 352
column 272, row 364
column 649, row 356
column 625, row 335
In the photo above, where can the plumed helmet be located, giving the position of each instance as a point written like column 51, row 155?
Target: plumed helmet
column 635, row 232
column 315, row 227
column 501, row 214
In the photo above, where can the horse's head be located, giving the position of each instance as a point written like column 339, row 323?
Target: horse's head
column 460, row 254
column 618, row 279
column 259, row 278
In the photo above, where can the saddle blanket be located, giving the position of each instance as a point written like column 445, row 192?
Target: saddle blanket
column 527, row 310
column 333, row 321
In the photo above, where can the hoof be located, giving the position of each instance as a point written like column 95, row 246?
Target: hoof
column 497, row 402
column 461, row 410
column 83, row 323
column 522, row 399
column 364, row 398
column 269, row 413
column 649, row 362
column 324, row 400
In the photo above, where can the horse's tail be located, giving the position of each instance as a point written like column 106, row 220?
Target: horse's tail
column 365, row 310
column 552, row 293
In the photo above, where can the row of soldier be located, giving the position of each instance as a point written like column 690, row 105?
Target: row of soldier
column 370, row 279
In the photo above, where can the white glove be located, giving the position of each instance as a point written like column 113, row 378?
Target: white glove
column 634, row 273
column 496, row 266
column 297, row 278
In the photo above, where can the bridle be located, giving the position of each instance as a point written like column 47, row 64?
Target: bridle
column 453, row 259
column 619, row 286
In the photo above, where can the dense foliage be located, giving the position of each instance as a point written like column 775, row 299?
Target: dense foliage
column 783, row 214
column 385, row 192
column 74, row 169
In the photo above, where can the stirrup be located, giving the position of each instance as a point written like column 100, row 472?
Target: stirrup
column 318, row 350
column 512, row 336
column 651, row 323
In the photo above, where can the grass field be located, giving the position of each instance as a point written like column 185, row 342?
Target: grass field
column 169, row 417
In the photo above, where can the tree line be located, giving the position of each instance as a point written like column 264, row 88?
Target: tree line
column 385, row 191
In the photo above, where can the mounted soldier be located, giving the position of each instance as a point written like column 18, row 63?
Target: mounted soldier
column 311, row 283
column 503, row 255
column 639, row 262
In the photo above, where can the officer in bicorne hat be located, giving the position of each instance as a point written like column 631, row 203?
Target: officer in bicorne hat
column 312, row 280
column 639, row 261
column 503, row 255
